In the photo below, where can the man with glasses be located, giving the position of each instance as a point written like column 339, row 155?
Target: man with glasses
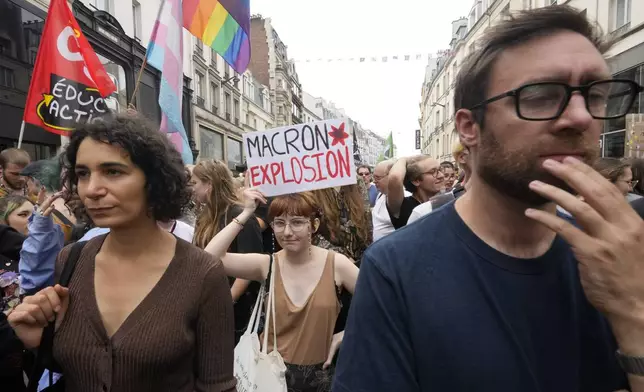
column 421, row 176
column 379, row 215
column 364, row 171
column 496, row 292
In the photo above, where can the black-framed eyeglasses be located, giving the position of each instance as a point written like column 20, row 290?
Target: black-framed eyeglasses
column 434, row 172
column 542, row 101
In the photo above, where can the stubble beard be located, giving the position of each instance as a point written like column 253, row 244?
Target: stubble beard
column 511, row 171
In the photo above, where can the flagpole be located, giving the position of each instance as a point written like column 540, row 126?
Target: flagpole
column 138, row 79
column 145, row 59
column 22, row 133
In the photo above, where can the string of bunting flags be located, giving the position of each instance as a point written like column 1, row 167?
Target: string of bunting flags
column 377, row 59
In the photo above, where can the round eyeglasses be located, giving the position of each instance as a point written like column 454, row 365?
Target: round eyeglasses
column 296, row 225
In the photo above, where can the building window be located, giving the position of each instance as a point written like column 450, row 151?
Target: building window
column 7, row 78
column 613, row 144
column 199, row 47
column 636, row 74
column 214, row 98
column 211, row 144
column 116, row 72
column 506, row 11
column 620, row 11
column 234, row 153
column 104, row 5
column 214, row 60
column 136, row 16
column 199, row 87
column 255, row 123
column 20, row 34
column 227, row 105
column 236, row 110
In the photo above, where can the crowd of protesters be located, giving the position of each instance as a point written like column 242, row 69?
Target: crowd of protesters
column 517, row 266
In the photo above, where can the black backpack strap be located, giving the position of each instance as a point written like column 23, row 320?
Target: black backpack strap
column 270, row 271
column 47, row 341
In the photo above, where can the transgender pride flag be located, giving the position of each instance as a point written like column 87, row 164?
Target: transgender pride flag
column 165, row 53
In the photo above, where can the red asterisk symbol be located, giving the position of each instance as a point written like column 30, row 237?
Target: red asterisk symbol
column 338, row 135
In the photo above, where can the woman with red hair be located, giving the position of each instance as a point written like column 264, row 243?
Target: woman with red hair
column 307, row 280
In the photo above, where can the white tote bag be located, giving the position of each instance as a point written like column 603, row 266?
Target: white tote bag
column 255, row 369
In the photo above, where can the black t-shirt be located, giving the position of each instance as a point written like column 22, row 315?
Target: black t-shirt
column 638, row 205
column 270, row 245
column 447, row 312
column 407, row 206
column 249, row 240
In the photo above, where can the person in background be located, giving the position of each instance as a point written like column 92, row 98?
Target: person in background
column 379, row 215
column 15, row 211
column 345, row 225
column 420, row 175
column 637, row 167
column 11, row 242
column 618, row 172
column 11, row 349
column 461, row 156
column 450, row 174
column 216, row 193
column 364, row 172
column 345, row 228
column 41, row 246
column 136, row 278
column 638, row 206
column 47, row 173
column 13, row 160
column 11, row 354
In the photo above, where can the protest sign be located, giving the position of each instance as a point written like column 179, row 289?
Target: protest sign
column 300, row 157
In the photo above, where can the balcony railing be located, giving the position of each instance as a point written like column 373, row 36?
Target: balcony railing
column 201, row 102
column 215, row 109
column 237, row 121
column 618, row 32
column 227, row 116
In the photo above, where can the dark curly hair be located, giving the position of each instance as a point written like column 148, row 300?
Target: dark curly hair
column 166, row 180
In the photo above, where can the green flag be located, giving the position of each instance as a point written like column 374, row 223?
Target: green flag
column 389, row 147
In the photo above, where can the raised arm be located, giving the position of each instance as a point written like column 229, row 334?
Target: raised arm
column 251, row 266
column 395, row 187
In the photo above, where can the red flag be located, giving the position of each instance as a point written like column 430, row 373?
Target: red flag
column 69, row 81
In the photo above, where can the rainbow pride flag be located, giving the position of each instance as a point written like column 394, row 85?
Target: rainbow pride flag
column 224, row 25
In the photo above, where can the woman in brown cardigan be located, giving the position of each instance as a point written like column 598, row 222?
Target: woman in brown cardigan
column 144, row 310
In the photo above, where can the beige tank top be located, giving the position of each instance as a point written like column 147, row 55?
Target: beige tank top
column 304, row 333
